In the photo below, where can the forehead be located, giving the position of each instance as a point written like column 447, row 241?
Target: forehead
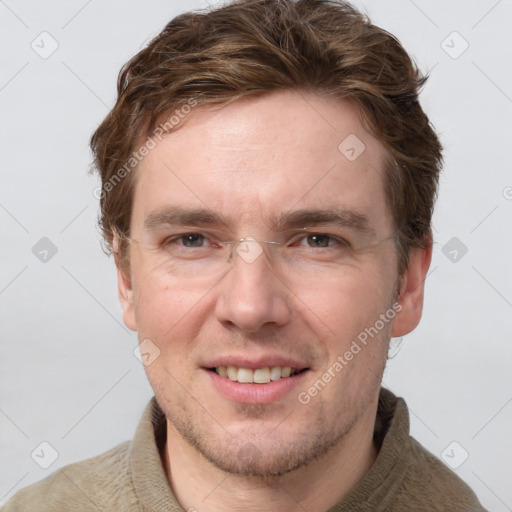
column 260, row 156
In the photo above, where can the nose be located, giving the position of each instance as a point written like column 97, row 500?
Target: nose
column 252, row 295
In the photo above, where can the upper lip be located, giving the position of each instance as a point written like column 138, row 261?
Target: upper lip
column 252, row 362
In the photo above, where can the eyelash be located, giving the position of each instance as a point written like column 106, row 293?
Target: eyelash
column 338, row 240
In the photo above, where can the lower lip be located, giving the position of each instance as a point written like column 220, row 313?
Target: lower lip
column 255, row 393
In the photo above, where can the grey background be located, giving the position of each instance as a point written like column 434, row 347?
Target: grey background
column 68, row 375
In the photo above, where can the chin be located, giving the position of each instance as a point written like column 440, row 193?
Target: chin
column 264, row 454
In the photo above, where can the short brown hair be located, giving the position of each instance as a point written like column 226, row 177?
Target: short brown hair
column 253, row 47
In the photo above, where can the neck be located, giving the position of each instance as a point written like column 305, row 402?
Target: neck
column 320, row 485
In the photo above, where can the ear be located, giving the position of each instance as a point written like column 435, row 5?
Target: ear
column 412, row 290
column 124, row 290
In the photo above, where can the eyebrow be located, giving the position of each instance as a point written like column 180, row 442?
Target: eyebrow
column 182, row 216
column 326, row 217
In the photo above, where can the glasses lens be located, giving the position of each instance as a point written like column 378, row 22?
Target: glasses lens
column 195, row 253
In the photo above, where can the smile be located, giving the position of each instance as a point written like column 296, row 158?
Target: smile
column 255, row 376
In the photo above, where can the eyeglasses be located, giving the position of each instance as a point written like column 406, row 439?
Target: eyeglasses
column 194, row 253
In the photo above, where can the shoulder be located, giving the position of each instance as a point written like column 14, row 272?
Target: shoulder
column 417, row 479
column 93, row 484
column 429, row 480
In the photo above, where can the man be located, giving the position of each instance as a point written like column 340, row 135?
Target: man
column 268, row 180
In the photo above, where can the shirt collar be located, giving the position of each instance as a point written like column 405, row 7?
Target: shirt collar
column 391, row 435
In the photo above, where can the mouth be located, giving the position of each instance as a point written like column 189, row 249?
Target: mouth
column 256, row 378
column 263, row 375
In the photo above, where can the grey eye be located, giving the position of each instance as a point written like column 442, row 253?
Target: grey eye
column 192, row 239
column 319, row 240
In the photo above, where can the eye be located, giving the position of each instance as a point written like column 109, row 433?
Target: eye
column 189, row 240
column 322, row 240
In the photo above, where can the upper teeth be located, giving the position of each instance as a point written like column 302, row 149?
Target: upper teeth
column 258, row 376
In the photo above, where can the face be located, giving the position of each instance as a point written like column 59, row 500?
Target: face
column 266, row 168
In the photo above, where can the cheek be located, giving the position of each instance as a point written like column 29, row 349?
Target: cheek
column 169, row 313
column 350, row 300
column 158, row 306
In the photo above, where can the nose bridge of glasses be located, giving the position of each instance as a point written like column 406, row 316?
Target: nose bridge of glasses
column 249, row 249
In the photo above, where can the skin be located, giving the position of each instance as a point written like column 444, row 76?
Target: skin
column 255, row 157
